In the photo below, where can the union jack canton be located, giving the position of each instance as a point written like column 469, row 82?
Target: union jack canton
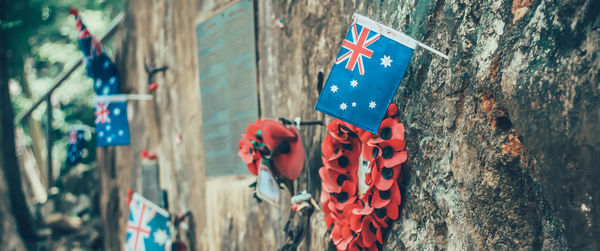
column 112, row 127
column 148, row 227
column 367, row 71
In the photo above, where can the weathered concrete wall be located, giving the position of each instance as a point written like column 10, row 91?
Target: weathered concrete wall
column 502, row 138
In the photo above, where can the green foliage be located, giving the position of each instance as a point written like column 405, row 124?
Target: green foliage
column 42, row 42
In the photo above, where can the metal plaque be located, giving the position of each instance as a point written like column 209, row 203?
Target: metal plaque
column 150, row 183
column 227, row 62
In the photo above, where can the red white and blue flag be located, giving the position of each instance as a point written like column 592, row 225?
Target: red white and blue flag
column 75, row 146
column 148, row 227
column 112, row 127
column 367, row 71
column 97, row 63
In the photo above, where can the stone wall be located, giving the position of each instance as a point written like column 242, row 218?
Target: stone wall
column 502, row 138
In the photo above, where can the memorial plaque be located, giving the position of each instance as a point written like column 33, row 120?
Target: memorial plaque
column 150, row 182
column 227, row 62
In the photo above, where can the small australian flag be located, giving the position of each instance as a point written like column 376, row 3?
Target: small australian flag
column 112, row 127
column 367, row 71
column 75, row 146
column 97, row 63
column 147, row 227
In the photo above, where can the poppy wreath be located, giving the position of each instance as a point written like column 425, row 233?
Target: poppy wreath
column 271, row 142
column 358, row 221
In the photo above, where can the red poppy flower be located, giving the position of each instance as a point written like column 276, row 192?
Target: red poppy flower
column 392, row 110
column 341, row 236
column 370, row 231
column 384, row 214
column 249, row 155
column 346, row 197
column 340, row 131
column 253, row 132
column 383, row 177
column 328, row 214
column 274, row 133
column 390, row 129
column 382, row 198
column 331, row 149
column 332, row 180
column 370, row 150
column 391, row 153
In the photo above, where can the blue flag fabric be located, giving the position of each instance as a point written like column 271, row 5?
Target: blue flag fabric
column 97, row 63
column 75, row 146
column 367, row 71
column 148, row 226
column 112, row 127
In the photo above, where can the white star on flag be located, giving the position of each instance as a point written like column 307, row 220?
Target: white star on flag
column 353, row 104
column 353, row 83
column 372, row 104
column 386, row 61
column 334, row 88
column 160, row 237
column 343, row 106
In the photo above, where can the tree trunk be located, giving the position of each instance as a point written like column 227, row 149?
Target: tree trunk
column 15, row 204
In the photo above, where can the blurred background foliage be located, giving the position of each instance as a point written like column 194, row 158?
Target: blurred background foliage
column 43, row 43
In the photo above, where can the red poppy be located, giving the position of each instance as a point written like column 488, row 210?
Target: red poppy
column 346, row 197
column 390, row 129
column 340, row 130
column 274, row 133
column 370, row 231
column 250, row 156
column 341, row 236
column 327, row 213
column 332, row 180
column 383, row 177
column 392, row 110
column 288, row 156
column 253, row 132
column 331, row 149
column 382, row 198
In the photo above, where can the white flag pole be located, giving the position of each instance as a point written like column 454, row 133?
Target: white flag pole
column 393, row 34
column 122, row 97
column 138, row 96
column 436, row 52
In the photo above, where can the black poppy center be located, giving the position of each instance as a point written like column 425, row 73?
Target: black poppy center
column 347, row 147
column 251, row 150
column 340, row 180
column 387, row 173
column 380, row 212
column 284, row 147
column 388, row 152
column 386, row 133
column 342, row 197
column 375, row 152
column 372, row 227
column 385, row 194
column 259, row 134
column 343, row 161
column 336, row 150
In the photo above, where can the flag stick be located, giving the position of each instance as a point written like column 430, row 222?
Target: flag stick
column 138, row 97
column 432, row 50
column 122, row 97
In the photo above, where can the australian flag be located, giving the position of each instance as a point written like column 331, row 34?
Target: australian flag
column 97, row 63
column 366, row 74
column 148, row 226
column 75, row 146
column 112, row 127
